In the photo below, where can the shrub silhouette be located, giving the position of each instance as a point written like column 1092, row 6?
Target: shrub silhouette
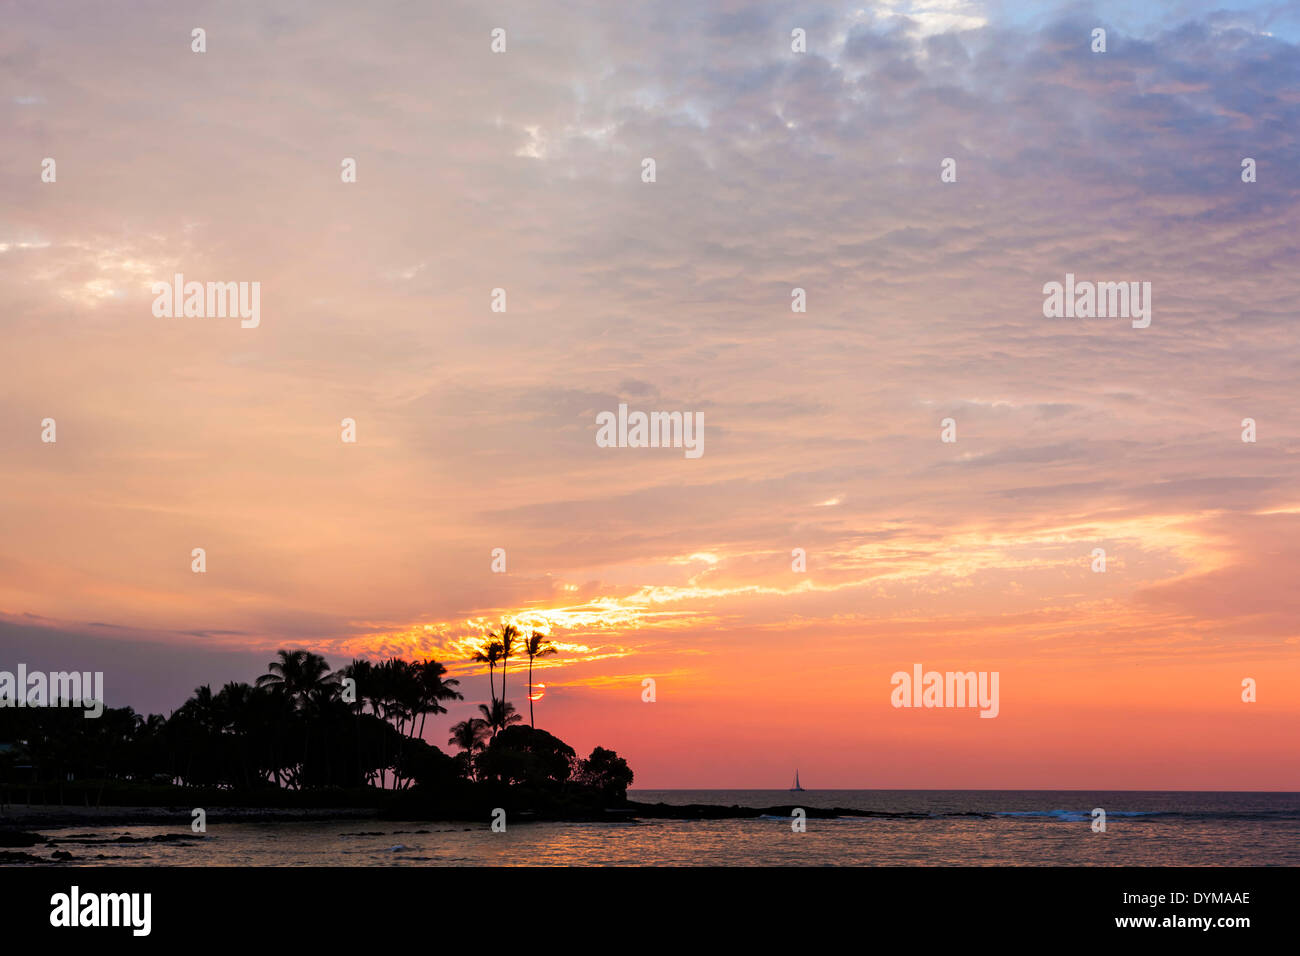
column 526, row 756
column 605, row 771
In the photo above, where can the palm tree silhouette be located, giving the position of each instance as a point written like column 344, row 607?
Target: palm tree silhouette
column 434, row 689
column 490, row 657
column 500, row 715
column 362, row 673
column 509, row 633
column 305, row 681
column 469, row 736
column 537, row 645
column 232, row 707
column 301, row 676
column 201, row 708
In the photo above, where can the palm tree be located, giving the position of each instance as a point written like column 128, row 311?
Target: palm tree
column 490, row 657
column 399, row 693
column 509, row 633
column 304, row 680
column 232, row 711
column 197, row 723
column 399, row 690
column 469, row 736
column 500, row 715
column 434, row 690
column 301, row 676
column 362, row 673
column 537, row 645
column 201, row 708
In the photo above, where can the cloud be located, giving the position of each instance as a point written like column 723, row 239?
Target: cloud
column 522, row 171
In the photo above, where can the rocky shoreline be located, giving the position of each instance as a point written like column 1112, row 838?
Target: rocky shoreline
column 17, row 817
column 47, row 817
column 28, row 830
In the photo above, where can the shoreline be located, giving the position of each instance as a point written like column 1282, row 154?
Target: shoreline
column 27, row 828
column 46, row 817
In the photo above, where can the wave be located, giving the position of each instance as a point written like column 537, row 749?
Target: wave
column 1077, row 815
column 1081, row 816
column 703, row 811
column 1052, row 816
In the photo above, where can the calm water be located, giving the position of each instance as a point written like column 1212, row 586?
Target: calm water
column 932, row 828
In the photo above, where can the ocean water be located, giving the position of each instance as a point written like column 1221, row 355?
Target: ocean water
column 926, row 828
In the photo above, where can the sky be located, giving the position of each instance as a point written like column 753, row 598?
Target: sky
column 475, row 429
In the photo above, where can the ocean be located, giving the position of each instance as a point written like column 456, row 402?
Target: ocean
column 914, row 828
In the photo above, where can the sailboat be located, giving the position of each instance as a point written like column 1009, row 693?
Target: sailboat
column 796, row 788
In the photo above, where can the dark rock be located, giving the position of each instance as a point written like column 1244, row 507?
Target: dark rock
column 19, row 838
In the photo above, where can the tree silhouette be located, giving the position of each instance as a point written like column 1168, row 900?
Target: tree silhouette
column 301, row 676
column 304, row 680
column 434, row 689
column 525, row 756
column 537, row 645
column 509, row 634
column 469, row 735
column 500, row 715
column 605, row 771
column 291, row 730
column 490, row 656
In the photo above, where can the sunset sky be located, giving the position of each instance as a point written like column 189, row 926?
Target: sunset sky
column 476, row 429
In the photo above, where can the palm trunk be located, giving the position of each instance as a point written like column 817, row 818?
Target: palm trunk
column 357, row 730
column 306, row 748
column 531, row 723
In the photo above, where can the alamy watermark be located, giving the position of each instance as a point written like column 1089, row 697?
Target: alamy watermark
column 82, row 689
column 1098, row 300
column 947, row 689
column 75, row 908
column 651, row 430
column 210, row 300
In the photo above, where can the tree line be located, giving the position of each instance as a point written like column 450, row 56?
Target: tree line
column 302, row 726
